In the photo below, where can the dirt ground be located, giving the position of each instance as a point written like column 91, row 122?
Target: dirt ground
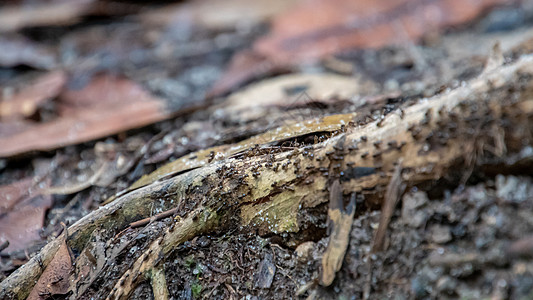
column 448, row 246
column 447, row 239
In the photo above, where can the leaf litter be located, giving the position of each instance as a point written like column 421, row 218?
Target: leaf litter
column 214, row 265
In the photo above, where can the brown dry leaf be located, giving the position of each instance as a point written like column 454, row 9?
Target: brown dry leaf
column 17, row 50
column 102, row 171
column 291, row 91
column 74, row 186
column 317, row 28
column 107, row 105
column 60, row 12
column 11, row 194
column 55, row 278
column 22, row 213
column 243, row 68
column 27, row 101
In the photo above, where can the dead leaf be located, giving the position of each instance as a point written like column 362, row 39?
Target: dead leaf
column 243, row 68
column 74, row 187
column 22, row 213
column 27, row 101
column 11, row 194
column 107, row 105
column 101, row 171
column 55, row 278
column 292, row 91
column 317, row 28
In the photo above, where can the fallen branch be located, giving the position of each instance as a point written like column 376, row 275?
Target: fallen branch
column 157, row 217
column 266, row 191
column 198, row 222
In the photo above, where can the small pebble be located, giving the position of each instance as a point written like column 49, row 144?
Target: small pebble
column 303, row 251
column 440, row 234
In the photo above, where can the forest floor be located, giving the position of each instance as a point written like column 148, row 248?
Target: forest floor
column 468, row 235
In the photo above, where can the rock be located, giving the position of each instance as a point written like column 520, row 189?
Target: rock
column 440, row 234
column 419, row 287
column 422, row 284
column 468, row 292
column 304, row 250
column 446, row 285
column 432, row 273
column 265, row 275
column 203, row 241
column 412, row 214
column 463, row 270
column 513, row 189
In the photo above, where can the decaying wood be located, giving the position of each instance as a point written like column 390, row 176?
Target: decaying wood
column 199, row 221
column 217, row 153
column 429, row 136
column 159, row 284
column 394, row 190
column 340, row 221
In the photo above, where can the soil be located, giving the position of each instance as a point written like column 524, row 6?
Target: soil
column 449, row 247
column 445, row 240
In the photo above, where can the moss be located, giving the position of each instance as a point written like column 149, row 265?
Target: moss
column 189, row 261
column 196, row 289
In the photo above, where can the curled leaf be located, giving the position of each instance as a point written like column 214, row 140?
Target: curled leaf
column 55, row 278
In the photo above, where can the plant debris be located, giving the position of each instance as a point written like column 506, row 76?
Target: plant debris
column 381, row 149
column 339, row 224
